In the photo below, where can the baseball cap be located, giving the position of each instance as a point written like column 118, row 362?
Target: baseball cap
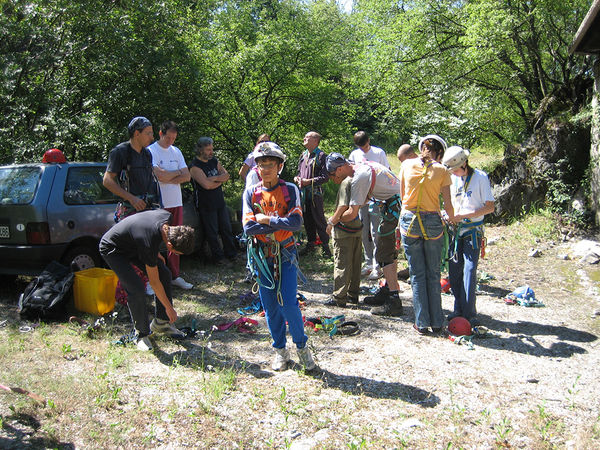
column 335, row 160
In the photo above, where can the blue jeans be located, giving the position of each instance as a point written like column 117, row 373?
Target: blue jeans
column 463, row 278
column 276, row 314
column 424, row 260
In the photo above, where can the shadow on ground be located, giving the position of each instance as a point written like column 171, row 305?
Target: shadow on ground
column 377, row 389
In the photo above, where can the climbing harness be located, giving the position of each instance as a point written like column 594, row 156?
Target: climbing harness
column 260, row 253
column 417, row 213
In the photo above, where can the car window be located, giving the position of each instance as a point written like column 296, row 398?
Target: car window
column 18, row 184
column 84, row 187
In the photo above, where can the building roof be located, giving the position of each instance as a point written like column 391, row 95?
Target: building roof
column 587, row 38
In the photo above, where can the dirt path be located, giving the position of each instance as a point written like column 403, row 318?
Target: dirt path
column 532, row 382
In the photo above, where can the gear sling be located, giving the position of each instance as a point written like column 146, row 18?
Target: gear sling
column 259, row 252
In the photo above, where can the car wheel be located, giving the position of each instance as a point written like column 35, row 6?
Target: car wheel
column 81, row 258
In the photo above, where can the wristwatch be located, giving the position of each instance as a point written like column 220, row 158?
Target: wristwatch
column 329, row 222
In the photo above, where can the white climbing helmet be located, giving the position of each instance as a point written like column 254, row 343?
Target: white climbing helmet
column 434, row 137
column 263, row 149
column 455, row 157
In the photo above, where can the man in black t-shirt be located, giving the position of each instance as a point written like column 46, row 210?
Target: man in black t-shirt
column 135, row 240
column 207, row 177
column 133, row 157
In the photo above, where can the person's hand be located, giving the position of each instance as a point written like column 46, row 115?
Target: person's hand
column 262, row 219
column 172, row 314
column 138, row 204
column 329, row 228
column 298, row 181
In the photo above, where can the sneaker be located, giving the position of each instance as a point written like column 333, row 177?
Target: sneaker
column 164, row 327
column 149, row 290
column 305, row 358
column 144, row 344
column 282, row 357
column 375, row 274
column 391, row 307
column 379, row 298
column 366, row 270
column 181, row 283
column 420, row 331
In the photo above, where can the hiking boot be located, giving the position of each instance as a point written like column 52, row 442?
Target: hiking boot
column 326, row 252
column 164, row 327
column 305, row 358
column 181, row 283
column 334, row 302
column 308, row 248
column 379, row 298
column 144, row 344
column 353, row 300
column 282, row 357
column 403, row 274
column 391, row 307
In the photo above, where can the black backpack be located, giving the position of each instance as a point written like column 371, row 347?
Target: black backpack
column 44, row 297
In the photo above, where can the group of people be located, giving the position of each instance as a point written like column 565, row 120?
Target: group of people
column 372, row 202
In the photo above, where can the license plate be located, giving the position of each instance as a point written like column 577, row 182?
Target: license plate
column 4, row 232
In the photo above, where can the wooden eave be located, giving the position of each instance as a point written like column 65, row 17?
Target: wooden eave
column 587, row 38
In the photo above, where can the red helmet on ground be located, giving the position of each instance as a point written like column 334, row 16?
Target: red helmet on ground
column 459, row 326
column 54, row 155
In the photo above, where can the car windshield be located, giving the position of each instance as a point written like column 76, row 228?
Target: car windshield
column 18, row 184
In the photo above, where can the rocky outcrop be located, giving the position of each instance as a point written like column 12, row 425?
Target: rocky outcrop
column 555, row 156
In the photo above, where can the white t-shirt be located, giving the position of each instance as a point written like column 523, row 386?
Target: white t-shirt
column 386, row 183
column 168, row 159
column 374, row 154
column 249, row 161
column 478, row 192
column 252, row 177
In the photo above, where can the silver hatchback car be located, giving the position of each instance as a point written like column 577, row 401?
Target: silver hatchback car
column 52, row 212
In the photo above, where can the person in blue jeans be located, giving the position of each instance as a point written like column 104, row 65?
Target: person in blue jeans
column 472, row 199
column 422, row 180
column 271, row 213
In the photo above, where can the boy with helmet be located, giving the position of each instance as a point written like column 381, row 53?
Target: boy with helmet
column 472, row 199
column 271, row 213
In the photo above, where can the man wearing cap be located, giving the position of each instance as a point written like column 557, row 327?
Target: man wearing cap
column 171, row 170
column 377, row 182
column 311, row 175
column 369, row 213
column 132, row 159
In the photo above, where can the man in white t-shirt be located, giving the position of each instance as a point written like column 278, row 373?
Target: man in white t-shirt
column 171, row 170
column 369, row 213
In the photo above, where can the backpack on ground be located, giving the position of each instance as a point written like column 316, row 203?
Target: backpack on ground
column 45, row 296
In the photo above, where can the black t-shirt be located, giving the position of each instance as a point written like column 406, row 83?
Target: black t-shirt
column 137, row 237
column 208, row 198
column 138, row 166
